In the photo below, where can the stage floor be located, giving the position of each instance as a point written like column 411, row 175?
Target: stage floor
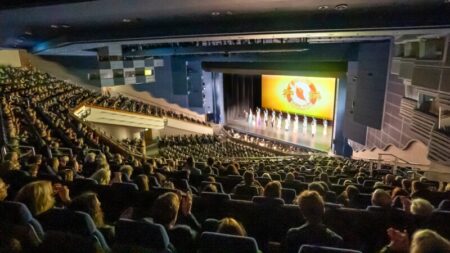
column 300, row 137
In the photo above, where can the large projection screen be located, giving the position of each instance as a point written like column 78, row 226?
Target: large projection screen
column 310, row 96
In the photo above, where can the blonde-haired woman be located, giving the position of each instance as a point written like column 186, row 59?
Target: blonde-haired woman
column 38, row 196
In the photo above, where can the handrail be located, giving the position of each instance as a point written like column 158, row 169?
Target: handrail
column 62, row 149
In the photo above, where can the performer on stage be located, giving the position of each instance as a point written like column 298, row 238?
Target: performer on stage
column 273, row 118
column 313, row 127
column 280, row 119
column 266, row 117
column 295, row 127
column 305, row 124
column 246, row 115
column 287, row 123
column 258, row 116
column 250, row 117
column 325, row 127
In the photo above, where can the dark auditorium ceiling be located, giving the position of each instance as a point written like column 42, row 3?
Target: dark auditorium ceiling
column 62, row 26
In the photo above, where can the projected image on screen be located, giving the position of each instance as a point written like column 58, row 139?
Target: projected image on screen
column 310, row 96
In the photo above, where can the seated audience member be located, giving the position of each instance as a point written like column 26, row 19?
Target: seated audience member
column 249, row 181
column 102, row 176
column 231, row 170
column 89, row 203
column 381, row 198
column 165, row 212
column 273, row 190
column 421, row 207
column 38, row 196
column 3, row 190
column 420, row 190
column 231, row 226
column 348, row 196
column 127, row 172
column 290, row 177
column 313, row 231
column 142, row 182
column 190, row 166
column 423, row 241
column 319, row 188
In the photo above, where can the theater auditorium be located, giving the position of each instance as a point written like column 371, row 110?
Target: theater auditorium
column 256, row 126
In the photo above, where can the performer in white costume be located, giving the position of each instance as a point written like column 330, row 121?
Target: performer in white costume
column 250, row 117
column 313, row 127
column 266, row 117
column 273, row 118
column 258, row 116
column 287, row 123
column 325, row 127
column 280, row 119
column 295, row 127
column 305, row 124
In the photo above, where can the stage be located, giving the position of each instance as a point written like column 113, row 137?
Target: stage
column 300, row 138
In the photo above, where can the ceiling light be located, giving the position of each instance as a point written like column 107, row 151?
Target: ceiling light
column 322, row 7
column 215, row 13
column 229, row 13
column 341, row 7
column 28, row 33
column 54, row 26
column 126, row 20
column 65, row 26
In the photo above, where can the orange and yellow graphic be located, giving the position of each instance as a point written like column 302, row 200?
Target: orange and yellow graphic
column 310, row 96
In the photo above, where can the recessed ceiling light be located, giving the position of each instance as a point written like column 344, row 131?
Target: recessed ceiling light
column 341, row 7
column 322, row 7
column 28, row 33
column 65, row 26
column 215, row 13
column 54, row 26
column 126, row 20
column 229, row 13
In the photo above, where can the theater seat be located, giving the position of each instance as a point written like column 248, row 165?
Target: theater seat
column 57, row 242
column 218, row 185
column 444, row 205
column 68, row 221
column 211, row 242
column 288, row 195
column 16, row 219
column 210, row 205
column 137, row 236
column 306, row 248
column 245, row 192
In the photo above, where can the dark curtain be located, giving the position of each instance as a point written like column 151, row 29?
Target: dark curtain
column 241, row 92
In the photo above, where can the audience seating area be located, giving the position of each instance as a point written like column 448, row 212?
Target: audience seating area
column 66, row 188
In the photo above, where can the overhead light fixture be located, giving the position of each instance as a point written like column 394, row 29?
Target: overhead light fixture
column 341, row 7
column 28, row 33
column 229, row 13
column 65, row 26
column 54, row 26
column 215, row 13
column 126, row 20
column 322, row 7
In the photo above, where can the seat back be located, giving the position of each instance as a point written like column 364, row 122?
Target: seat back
column 246, row 192
column 288, row 195
column 296, row 185
column 211, row 242
column 210, row 205
column 306, row 248
column 75, row 222
column 57, row 241
column 444, row 205
column 150, row 236
column 116, row 198
column 17, row 221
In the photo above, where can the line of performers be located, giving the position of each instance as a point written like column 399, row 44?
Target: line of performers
column 276, row 120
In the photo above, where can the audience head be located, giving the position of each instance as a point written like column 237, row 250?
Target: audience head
column 289, row 177
column 273, row 190
column 89, row 203
column 421, row 207
column 165, row 209
column 418, row 186
column 249, row 177
column 318, row 187
column 352, row 191
column 232, row 170
column 142, row 182
column 428, row 241
column 381, row 198
column 3, row 190
column 311, row 205
column 102, row 176
column 231, row 227
column 37, row 196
